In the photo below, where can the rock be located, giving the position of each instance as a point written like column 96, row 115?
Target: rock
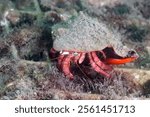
column 4, row 49
column 140, row 76
column 148, row 49
column 13, row 16
column 27, row 41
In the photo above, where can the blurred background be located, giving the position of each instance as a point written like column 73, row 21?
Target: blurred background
column 26, row 36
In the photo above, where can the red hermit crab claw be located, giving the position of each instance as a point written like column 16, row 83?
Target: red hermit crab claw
column 115, row 59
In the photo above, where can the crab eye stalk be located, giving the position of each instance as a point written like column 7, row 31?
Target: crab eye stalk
column 132, row 53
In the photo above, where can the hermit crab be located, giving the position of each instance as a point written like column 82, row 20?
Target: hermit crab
column 86, row 38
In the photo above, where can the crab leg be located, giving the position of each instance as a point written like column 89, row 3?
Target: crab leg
column 76, row 58
column 53, row 53
column 99, row 62
column 96, row 67
column 66, row 66
column 82, row 57
column 60, row 59
column 79, row 58
column 104, row 55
